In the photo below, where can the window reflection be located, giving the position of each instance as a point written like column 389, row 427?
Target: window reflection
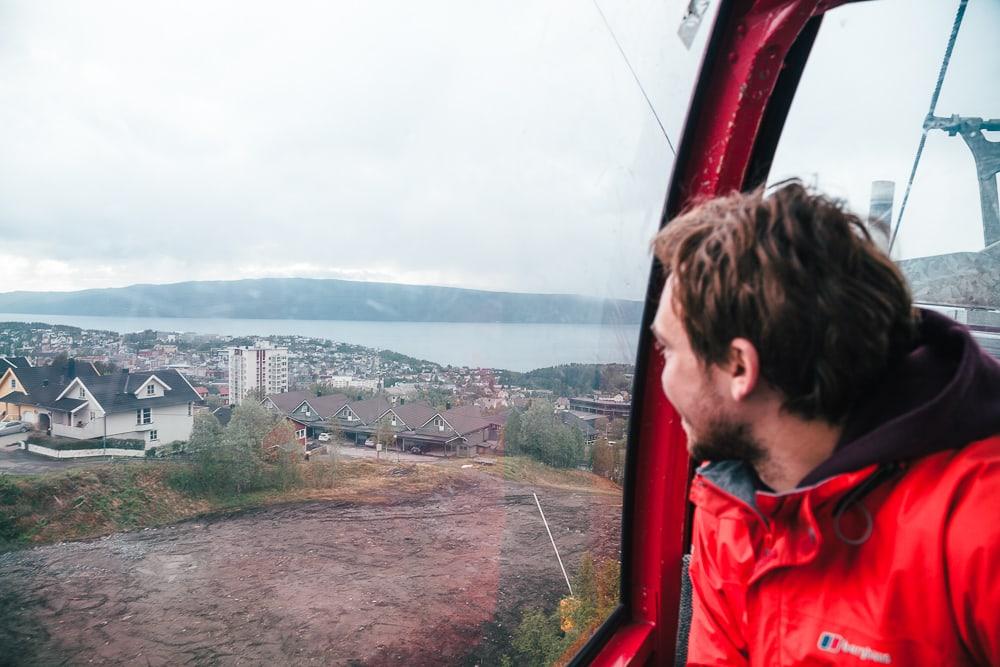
column 386, row 265
column 856, row 125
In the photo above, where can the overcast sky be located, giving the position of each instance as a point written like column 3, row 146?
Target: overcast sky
column 860, row 106
column 479, row 144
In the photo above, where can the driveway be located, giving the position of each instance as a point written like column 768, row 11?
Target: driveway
column 14, row 461
column 349, row 451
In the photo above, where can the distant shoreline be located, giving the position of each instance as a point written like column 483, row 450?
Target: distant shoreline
column 517, row 347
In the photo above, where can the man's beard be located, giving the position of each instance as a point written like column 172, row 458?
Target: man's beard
column 726, row 440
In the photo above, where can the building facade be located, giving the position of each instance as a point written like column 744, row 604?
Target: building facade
column 257, row 371
column 75, row 401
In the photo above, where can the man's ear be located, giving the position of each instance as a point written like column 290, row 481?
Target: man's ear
column 743, row 368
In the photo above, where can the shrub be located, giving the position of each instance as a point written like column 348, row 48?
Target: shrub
column 540, row 434
column 544, row 639
column 247, row 455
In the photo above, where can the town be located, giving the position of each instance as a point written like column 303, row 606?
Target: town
column 148, row 436
column 139, row 393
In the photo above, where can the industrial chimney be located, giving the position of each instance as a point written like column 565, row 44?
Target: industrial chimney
column 880, row 213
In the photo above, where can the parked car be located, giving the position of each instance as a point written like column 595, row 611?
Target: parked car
column 369, row 442
column 6, row 428
column 324, row 437
column 416, row 450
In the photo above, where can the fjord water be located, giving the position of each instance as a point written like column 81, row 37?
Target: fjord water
column 517, row 347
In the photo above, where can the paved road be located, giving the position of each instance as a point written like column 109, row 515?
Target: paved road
column 14, row 461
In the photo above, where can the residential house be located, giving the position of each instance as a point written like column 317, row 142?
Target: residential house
column 585, row 422
column 490, row 403
column 29, row 393
column 459, row 431
column 14, row 362
column 408, row 416
column 307, row 412
column 153, row 406
column 314, row 414
column 285, row 402
column 358, row 420
column 401, row 391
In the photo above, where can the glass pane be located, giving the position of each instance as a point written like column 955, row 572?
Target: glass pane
column 856, row 124
column 319, row 323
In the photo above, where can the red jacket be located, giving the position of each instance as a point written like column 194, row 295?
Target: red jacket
column 781, row 588
column 892, row 562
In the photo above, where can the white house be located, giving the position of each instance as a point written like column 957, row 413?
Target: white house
column 154, row 406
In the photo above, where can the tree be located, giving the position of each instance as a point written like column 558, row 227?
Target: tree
column 333, row 450
column 334, row 429
column 602, row 457
column 512, row 436
column 617, row 431
column 210, row 471
column 214, row 401
column 205, row 434
column 60, row 360
column 566, row 449
column 106, row 367
column 435, row 396
column 320, row 389
column 612, row 378
column 385, row 435
column 255, row 396
column 281, row 436
column 542, row 436
column 242, row 443
column 280, row 448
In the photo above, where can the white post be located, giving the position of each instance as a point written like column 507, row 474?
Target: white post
column 554, row 548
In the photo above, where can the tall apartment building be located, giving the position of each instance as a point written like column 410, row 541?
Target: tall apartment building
column 258, row 370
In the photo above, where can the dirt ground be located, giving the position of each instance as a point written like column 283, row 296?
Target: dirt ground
column 438, row 579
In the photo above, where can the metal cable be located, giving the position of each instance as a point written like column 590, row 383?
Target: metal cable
column 636, row 77
column 930, row 114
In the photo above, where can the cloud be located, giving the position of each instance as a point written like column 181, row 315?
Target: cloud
column 495, row 146
column 472, row 144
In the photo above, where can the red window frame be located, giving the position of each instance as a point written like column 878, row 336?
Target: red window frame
column 755, row 57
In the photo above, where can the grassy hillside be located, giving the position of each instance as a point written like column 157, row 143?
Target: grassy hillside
column 98, row 501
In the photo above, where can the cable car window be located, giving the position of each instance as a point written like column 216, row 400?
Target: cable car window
column 898, row 114
column 387, row 264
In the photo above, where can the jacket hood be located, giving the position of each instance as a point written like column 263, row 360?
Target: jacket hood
column 943, row 395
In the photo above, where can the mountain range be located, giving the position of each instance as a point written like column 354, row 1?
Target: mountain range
column 316, row 299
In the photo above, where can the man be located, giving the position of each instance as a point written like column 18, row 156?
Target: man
column 849, row 512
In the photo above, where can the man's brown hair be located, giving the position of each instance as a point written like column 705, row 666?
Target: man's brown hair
column 798, row 276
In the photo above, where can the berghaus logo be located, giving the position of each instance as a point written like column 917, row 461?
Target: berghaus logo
column 831, row 642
